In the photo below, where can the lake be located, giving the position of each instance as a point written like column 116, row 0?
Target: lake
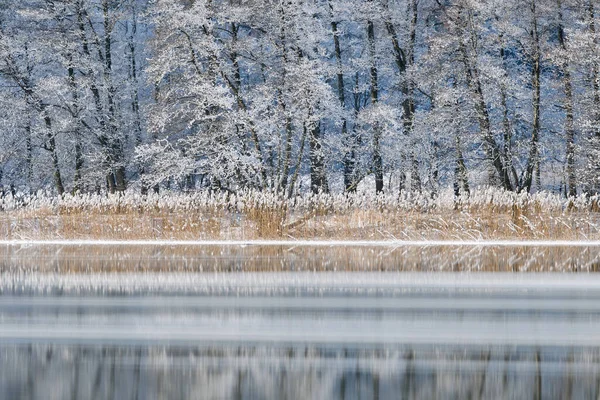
column 298, row 322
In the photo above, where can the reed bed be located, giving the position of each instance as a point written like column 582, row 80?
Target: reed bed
column 486, row 214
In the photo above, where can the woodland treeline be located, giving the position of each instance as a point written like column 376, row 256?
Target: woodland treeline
column 297, row 95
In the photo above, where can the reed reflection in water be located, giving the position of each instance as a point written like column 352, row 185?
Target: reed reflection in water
column 92, row 258
column 155, row 372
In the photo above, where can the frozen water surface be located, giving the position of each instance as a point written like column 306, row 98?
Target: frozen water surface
column 280, row 320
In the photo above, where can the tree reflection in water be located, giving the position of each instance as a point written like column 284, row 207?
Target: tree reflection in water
column 39, row 371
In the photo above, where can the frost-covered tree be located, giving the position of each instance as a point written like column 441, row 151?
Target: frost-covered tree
column 295, row 95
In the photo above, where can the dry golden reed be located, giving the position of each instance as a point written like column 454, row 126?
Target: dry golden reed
column 486, row 214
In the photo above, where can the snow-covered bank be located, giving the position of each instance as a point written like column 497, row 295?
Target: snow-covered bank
column 308, row 243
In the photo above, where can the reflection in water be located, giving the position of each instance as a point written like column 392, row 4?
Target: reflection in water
column 278, row 322
column 191, row 258
column 74, row 372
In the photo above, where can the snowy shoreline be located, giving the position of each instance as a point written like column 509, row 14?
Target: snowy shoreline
column 308, row 243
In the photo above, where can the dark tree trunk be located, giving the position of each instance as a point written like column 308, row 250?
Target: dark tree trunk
column 135, row 100
column 509, row 169
column 58, row 182
column 318, row 179
column 29, row 154
column 377, row 159
column 568, row 106
column 115, row 156
column 78, row 133
column 285, row 158
column 533, row 162
column 461, row 181
column 404, row 60
column 298, row 164
column 349, row 151
column 594, row 184
column 493, row 152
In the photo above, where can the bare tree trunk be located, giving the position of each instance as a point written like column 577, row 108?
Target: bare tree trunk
column 409, row 99
column 318, row 179
column 595, row 138
column 28, row 138
column 236, row 88
column 135, row 101
column 461, row 180
column 25, row 84
column 354, row 137
column 404, row 60
column 51, row 147
column 78, row 129
column 29, row 152
column 533, row 162
column 285, row 158
column 569, row 119
column 509, row 168
column 287, row 155
column 377, row 160
column 104, row 135
column 81, row 13
column 349, row 151
column 116, row 146
column 492, row 149
column 298, row 163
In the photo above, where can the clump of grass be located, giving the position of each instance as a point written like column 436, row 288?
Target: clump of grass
column 265, row 214
column 485, row 214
